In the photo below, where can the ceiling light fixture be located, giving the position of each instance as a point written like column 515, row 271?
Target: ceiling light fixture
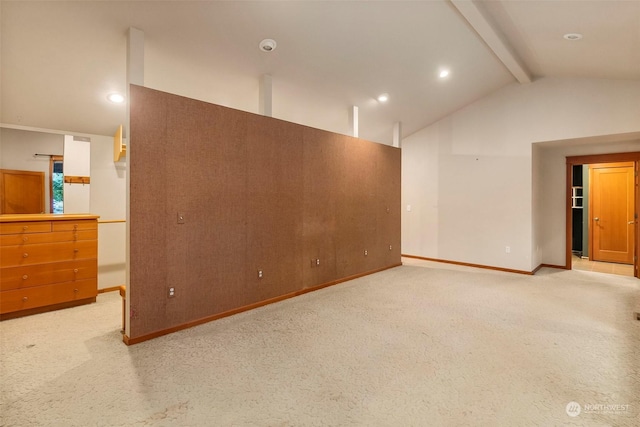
column 444, row 73
column 573, row 36
column 116, row 98
column 268, row 45
column 384, row 97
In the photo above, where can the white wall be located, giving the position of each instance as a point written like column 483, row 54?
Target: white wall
column 479, row 196
column 108, row 199
column 77, row 162
column 17, row 149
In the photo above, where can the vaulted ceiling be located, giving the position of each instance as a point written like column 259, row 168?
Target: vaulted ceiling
column 59, row 60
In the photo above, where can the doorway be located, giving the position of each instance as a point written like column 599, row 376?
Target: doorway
column 602, row 213
column 56, row 184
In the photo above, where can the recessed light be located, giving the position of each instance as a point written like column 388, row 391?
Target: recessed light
column 573, row 36
column 384, row 97
column 444, row 73
column 268, row 45
column 115, row 98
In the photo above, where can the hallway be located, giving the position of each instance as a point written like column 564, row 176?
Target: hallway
column 582, row 264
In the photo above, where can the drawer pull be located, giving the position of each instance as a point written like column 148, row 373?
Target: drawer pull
column 75, row 270
column 25, row 255
column 25, row 239
column 26, row 227
column 75, row 225
column 25, row 299
column 25, row 277
column 76, row 290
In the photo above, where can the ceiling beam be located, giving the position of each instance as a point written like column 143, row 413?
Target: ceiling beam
column 500, row 47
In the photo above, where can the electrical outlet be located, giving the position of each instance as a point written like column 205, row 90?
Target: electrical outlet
column 171, row 293
column 507, row 249
column 366, row 252
column 390, row 247
column 260, row 274
column 317, row 261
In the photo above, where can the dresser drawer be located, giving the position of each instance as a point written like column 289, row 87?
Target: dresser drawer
column 25, row 227
column 75, row 225
column 40, row 296
column 35, row 238
column 41, row 274
column 72, row 291
column 13, row 256
column 24, row 299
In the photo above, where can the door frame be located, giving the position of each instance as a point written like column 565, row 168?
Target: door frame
column 601, row 158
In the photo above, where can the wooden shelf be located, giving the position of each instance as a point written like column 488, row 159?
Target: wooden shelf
column 77, row 180
column 119, row 149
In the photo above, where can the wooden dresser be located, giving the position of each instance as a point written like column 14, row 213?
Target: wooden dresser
column 47, row 262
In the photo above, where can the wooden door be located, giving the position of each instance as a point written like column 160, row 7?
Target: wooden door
column 612, row 212
column 21, row 192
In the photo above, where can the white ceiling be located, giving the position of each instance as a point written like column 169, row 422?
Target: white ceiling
column 59, row 60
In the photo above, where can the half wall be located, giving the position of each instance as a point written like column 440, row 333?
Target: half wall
column 218, row 195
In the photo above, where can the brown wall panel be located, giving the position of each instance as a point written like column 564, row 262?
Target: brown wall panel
column 389, row 203
column 209, row 189
column 323, row 161
column 356, row 213
column 274, row 199
column 256, row 193
column 148, row 208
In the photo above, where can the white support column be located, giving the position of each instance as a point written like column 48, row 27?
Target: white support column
column 135, row 75
column 397, row 134
column 266, row 96
column 353, row 121
column 135, row 57
column 135, row 67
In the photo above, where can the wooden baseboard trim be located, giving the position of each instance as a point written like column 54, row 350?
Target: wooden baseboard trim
column 130, row 341
column 466, row 264
column 111, row 289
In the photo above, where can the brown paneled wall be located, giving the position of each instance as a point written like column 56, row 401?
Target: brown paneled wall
column 256, row 193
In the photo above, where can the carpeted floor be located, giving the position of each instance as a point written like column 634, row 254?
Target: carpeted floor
column 422, row 344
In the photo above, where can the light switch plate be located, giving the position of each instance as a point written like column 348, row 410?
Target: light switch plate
column 180, row 218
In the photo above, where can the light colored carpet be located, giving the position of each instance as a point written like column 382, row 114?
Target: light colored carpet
column 414, row 345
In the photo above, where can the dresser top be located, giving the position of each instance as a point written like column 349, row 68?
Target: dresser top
column 45, row 217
